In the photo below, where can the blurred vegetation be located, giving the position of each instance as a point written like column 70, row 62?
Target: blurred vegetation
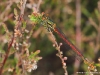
column 63, row 13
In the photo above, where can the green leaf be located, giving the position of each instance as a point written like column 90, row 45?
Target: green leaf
column 33, row 55
column 1, row 50
column 97, row 12
column 15, row 12
column 24, row 24
column 98, row 64
column 85, row 12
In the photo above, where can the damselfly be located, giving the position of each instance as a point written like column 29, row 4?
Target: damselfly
column 51, row 26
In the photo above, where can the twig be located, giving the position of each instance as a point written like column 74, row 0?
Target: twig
column 38, row 5
column 93, row 23
column 13, row 38
column 98, row 30
column 6, row 10
column 78, row 30
column 60, row 53
column 23, row 7
column 6, row 56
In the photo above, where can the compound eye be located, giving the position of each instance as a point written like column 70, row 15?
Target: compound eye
column 54, row 25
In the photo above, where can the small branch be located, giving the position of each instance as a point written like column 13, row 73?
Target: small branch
column 6, row 11
column 6, row 56
column 78, row 23
column 98, row 29
column 13, row 38
column 60, row 53
column 93, row 23
column 23, row 7
column 38, row 5
column 78, row 30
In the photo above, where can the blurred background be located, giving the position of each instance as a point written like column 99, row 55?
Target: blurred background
column 78, row 19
